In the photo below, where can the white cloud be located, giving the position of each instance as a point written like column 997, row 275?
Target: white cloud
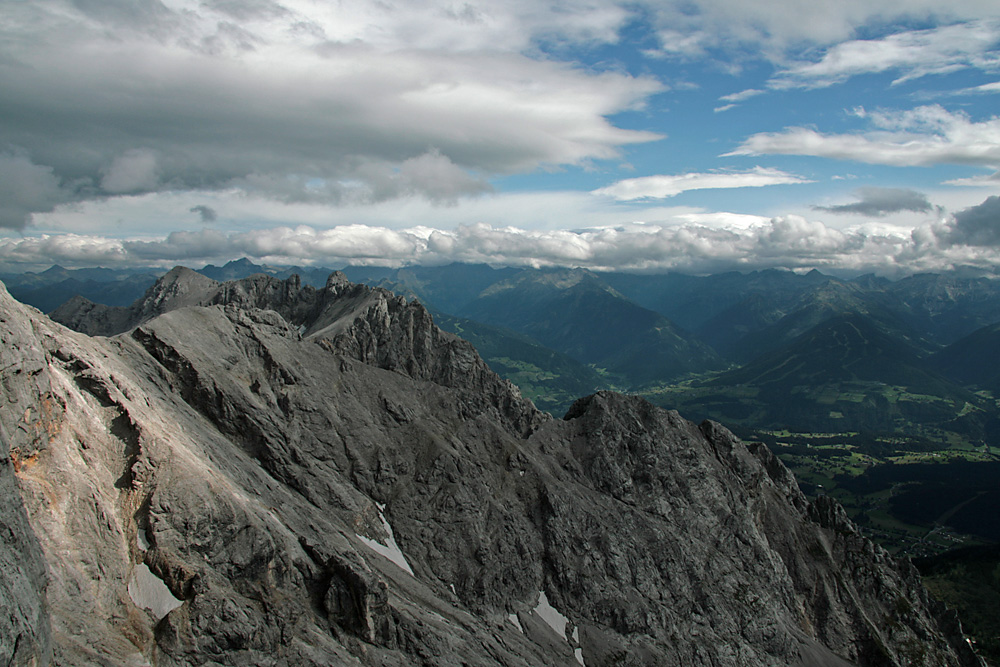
column 707, row 242
column 774, row 29
column 923, row 136
column 741, row 96
column 914, row 54
column 334, row 102
column 675, row 43
column 662, row 186
column 69, row 249
column 985, row 181
column 390, row 114
column 235, row 209
column 984, row 89
column 732, row 100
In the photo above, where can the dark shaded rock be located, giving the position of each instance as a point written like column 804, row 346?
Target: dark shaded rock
column 320, row 476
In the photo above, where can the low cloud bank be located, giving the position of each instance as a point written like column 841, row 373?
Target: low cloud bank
column 968, row 240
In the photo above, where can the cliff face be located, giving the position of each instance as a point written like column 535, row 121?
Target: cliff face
column 25, row 634
column 261, row 473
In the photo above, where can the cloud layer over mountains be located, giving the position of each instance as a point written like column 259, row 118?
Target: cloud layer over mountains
column 969, row 240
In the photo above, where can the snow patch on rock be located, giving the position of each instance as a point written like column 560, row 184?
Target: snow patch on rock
column 516, row 621
column 390, row 549
column 551, row 615
column 558, row 623
column 149, row 592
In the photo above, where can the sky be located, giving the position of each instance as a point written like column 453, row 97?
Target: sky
column 698, row 136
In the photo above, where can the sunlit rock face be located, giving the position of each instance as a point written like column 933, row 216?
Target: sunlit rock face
column 260, row 473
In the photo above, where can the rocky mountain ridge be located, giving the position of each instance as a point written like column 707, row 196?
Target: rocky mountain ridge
column 257, row 472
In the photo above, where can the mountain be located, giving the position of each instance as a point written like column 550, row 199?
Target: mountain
column 844, row 374
column 573, row 312
column 576, row 313
column 946, row 307
column 693, row 301
column 967, row 579
column 315, row 476
column 57, row 274
column 740, row 316
column 930, row 309
column 179, row 287
column 244, row 268
column 966, row 361
column 234, row 270
column 50, row 288
column 844, row 348
column 821, row 306
column 731, row 331
column 553, row 381
column 448, row 289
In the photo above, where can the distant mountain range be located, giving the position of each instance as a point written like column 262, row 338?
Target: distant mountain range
column 972, row 360
column 846, row 373
column 51, row 288
column 784, row 349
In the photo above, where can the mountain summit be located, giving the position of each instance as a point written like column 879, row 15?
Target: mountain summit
column 261, row 473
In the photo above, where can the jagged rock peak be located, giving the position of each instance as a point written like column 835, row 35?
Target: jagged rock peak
column 336, row 279
column 178, row 283
column 369, row 324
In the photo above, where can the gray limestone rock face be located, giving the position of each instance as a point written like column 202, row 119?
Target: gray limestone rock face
column 260, row 473
column 25, row 635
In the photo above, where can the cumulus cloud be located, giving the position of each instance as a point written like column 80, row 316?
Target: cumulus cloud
column 178, row 246
column 923, row 136
column 877, row 202
column 977, row 225
column 970, row 239
column 308, row 101
column 68, row 249
column 662, row 186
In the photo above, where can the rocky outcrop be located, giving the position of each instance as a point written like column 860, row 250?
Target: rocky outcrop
column 269, row 474
column 368, row 324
